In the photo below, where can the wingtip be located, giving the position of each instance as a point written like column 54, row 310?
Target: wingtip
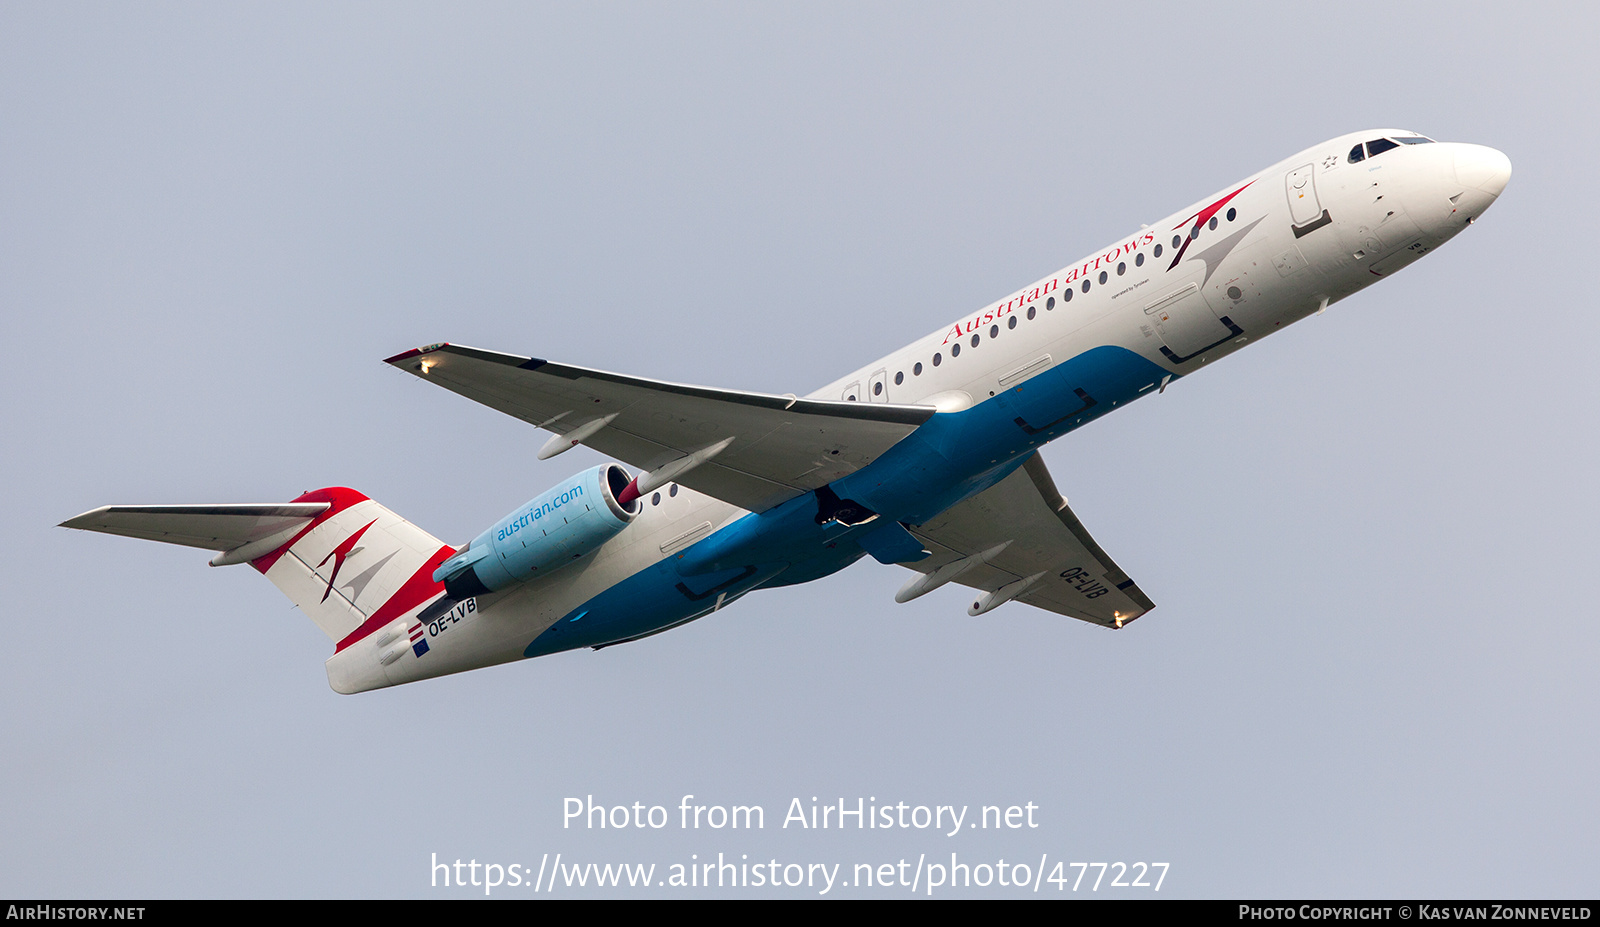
column 415, row 352
column 84, row 521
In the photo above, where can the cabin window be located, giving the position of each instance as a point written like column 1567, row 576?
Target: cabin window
column 1232, row 214
column 1139, row 260
column 1012, row 322
column 1158, row 250
column 1030, row 310
column 994, row 332
column 1065, row 297
column 899, row 377
column 1212, row 225
column 1086, row 286
column 1051, row 302
column 935, row 360
column 917, row 370
column 655, row 499
column 955, row 349
column 1104, row 276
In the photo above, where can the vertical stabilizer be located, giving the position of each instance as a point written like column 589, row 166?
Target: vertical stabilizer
column 356, row 566
column 349, row 563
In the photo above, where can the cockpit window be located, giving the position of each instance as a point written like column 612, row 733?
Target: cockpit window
column 1378, row 146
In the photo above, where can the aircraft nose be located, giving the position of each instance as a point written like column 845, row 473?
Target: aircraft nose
column 1482, row 168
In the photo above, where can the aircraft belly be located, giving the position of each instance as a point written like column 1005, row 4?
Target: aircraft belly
column 956, row 454
column 651, row 600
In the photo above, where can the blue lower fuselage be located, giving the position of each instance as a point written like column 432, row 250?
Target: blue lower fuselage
column 951, row 457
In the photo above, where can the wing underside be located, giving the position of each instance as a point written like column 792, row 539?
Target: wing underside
column 774, row 448
column 1044, row 551
column 778, row 447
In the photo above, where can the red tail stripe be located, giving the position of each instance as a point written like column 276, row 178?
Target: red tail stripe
column 338, row 498
column 417, row 590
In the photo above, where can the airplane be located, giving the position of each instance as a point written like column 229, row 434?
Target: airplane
column 927, row 458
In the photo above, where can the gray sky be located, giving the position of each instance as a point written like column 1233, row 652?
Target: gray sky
column 1370, row 671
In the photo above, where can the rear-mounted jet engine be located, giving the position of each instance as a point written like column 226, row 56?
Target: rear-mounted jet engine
column 546, row 534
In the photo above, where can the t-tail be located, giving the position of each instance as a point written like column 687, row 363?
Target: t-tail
column 352, row 565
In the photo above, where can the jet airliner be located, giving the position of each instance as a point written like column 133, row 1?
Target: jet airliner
column 927, row 458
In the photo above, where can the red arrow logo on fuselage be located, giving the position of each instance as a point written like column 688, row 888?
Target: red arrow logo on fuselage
column 1200, row 218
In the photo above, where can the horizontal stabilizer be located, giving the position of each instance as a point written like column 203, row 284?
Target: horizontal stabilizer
column 350, row 564
column 208, row 527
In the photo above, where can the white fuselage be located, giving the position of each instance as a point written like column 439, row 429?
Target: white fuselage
column 1180, row 294
column 1381, row 209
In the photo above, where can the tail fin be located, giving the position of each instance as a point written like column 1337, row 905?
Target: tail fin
column 349, row 563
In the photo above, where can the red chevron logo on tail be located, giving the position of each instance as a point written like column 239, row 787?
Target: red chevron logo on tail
column 341, row 552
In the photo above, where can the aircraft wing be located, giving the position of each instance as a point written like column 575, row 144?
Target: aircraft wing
column 778, row 446
column 1042, row 539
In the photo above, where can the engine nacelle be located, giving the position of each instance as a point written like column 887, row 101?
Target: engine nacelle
column 546, row 534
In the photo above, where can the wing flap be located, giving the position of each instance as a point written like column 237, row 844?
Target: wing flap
column 1027, row 514
column 781, row 447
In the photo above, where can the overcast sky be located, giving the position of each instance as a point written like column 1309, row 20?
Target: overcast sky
column 1370, row 539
